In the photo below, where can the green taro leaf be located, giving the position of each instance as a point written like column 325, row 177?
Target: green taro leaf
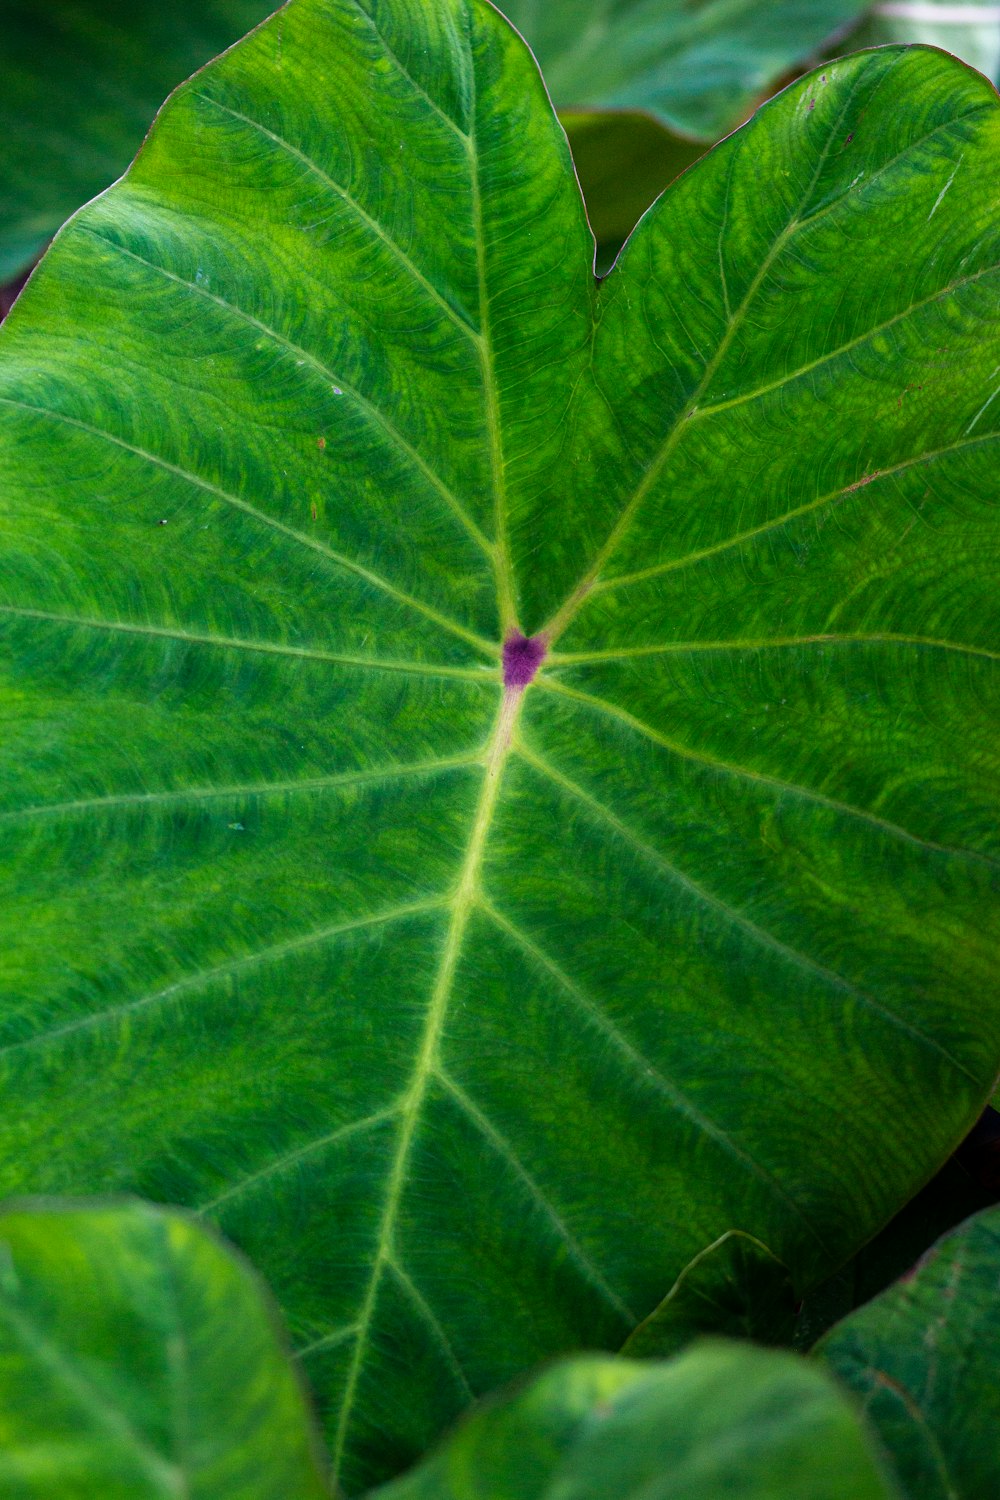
column 498, row 775
column 719, row 1420
column 82, row 79
column 698, row 66
column 735, row 1287
column 140, row 1360
column 923, row 1358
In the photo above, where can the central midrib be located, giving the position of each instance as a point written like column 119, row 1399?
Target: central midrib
column 460, row 907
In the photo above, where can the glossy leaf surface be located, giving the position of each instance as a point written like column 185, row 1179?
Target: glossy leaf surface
column 140, row 1360
column 923, row 1359
column 735, row 1287
column 719, row 1420
column 696, row 65
column 82, row 80
column 473, row 1012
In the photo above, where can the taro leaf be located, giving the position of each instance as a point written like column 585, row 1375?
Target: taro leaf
column 924, row 1357
column 473, row 1012
column 699, row 66
column 141, row 1360
column 719, row 1420
column 970, row 29
column 82, row 79
column 735, row 1287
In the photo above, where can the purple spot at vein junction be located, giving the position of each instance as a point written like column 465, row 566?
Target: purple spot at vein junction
column 522, row 656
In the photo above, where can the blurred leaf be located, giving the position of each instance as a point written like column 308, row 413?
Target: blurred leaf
column 82, row 80
column 141, row 1360
column 968, row 28
column 736, row 1287
column 624, row 162
column 699, row 66
column 924, row 1359
column 721, row 1419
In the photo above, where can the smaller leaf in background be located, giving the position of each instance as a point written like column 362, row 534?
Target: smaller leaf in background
column 624, row 162
column 699, row 66
column 141, row 1360
column 924, row 1356
column 966, row 1184
column 970, row 30
column 82, row 80
column 736, row 1287
column 722, row 1419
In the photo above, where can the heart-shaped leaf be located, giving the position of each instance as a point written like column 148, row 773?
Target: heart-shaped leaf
column 923, row 1358
column 82, row 79
column 498, row 775
column 722, row 1419
column 735, row 1287
column 140, row 1360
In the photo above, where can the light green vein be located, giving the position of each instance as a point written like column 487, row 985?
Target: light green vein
column 404, row 72
column 331, row 1340
column 378, row 775
column 623, row 580
column 654, row 469
column 431, row 1320
column 772, row 643
column 301, row 1153
column 451, row 313
column 732, row 915
column 207, row 977
column 374, row 580
column 427, row 1062
column 728, row 768
column 834, row 354
column 484, row 674
column 503, row 1149
column 504, row 570
column 647, row 1074
column 330, row 377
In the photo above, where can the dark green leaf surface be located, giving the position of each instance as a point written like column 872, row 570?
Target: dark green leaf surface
column 697, row 65
column 966, row 1184
column 82, row 79
column 924, row 1359
column 474, row 1013
column 140, row 1360
column 719, row 1420
column 735, row 1287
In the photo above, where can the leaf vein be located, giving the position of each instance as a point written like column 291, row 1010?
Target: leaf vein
column 502, row 1147
column 646, row 1072
column 737, row 918
column 467, row 329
